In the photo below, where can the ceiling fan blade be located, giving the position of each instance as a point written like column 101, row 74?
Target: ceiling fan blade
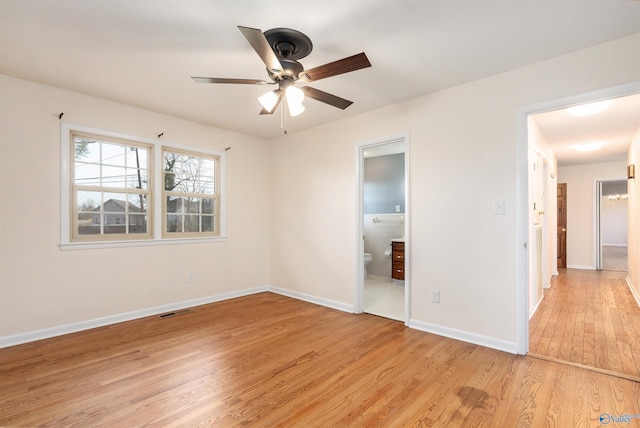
column 326, row 97
column 275, row 107
column 341, row 66
column 224, row 80
column 259, row 42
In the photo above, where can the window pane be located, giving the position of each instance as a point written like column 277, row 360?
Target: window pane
column 86, row 150
column 169, row 181
column 88, row 223
column 113, row 176
column 174, row 223
column 192, row 205
column 208, row 206
column 137, row 223
column 192, row 223
column 87, row 174
column 207, row 223
column 137, row 203
column 114, row 202
column 137, row 157
column 174, row 204
column 113, row 154
column 111, row 229
column 89, row 201
column 137, row 178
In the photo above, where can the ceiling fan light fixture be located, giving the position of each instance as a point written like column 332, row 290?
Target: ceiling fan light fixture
column 295, row 96
column 269, row 100
column 295, row 109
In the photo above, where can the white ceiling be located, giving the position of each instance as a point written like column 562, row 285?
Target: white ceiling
column 143, row 52
column 614, row 126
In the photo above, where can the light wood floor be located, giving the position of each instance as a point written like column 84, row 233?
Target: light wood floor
column 589, row 318
column 267, row 360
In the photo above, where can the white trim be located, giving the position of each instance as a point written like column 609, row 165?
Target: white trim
column 465, row 336
column 522, row 141
column 312, row 299
column 359, row 281
column 535, row 307
column 138, row 243
column 156, row 238
column 581, row 267
column 635, row 294
column 46, row 333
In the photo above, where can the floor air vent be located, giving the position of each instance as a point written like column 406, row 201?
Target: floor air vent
column 174, row 313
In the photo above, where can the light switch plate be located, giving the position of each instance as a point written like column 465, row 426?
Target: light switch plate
column 498, row 207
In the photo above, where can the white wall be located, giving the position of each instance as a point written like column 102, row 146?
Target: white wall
column 542, row 191
column 464, row 136
column 42, row 287
column 614, row 219
column 580, row 208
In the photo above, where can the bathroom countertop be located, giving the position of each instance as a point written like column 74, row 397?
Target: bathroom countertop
column 397, row 240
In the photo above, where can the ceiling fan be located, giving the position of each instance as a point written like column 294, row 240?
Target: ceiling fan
column 280, row 49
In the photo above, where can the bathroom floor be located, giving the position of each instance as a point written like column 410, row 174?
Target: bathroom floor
column 384, row 298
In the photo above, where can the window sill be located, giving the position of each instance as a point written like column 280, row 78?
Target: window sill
column 71, row 246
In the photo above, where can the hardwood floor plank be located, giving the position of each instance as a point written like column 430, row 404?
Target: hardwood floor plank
column 589, row 318
column 269, row 360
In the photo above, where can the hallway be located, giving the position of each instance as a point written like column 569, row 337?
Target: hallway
column 589, row 318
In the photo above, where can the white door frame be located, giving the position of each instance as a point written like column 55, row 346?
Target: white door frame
column 359, row 289
column 522, row 199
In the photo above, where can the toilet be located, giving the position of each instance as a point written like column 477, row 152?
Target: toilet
column 367, row 258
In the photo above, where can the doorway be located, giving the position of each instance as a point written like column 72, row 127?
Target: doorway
column 612, row 225
column 383, row 228
column 571, row 334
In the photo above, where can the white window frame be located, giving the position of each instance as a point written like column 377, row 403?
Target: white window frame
column 155, row 209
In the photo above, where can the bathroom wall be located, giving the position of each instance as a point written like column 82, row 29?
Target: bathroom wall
column 383, row 205
column 384, row 184
column 377, row 239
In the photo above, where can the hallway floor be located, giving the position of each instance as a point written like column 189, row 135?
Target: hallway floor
column 384, row 298
column 589, row 318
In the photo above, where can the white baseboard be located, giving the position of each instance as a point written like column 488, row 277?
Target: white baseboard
column 581, row 267
column 17, row 339
column 313, row 299
column 465, row 336
column 633, row 290
column 533, row 310
column 46, row 333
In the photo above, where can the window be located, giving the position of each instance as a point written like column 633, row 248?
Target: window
column 118, row 194
column 110, row 186
column 190, row 196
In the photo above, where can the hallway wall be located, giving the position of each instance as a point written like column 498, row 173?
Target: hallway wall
column 580, row 181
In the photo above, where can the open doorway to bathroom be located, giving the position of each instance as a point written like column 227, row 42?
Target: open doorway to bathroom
column 383, row 215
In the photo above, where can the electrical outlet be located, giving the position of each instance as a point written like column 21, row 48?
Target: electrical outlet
column 435, row 296
column 191, row 277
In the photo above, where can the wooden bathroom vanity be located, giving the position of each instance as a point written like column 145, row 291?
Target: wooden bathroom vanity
column 397, row 259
